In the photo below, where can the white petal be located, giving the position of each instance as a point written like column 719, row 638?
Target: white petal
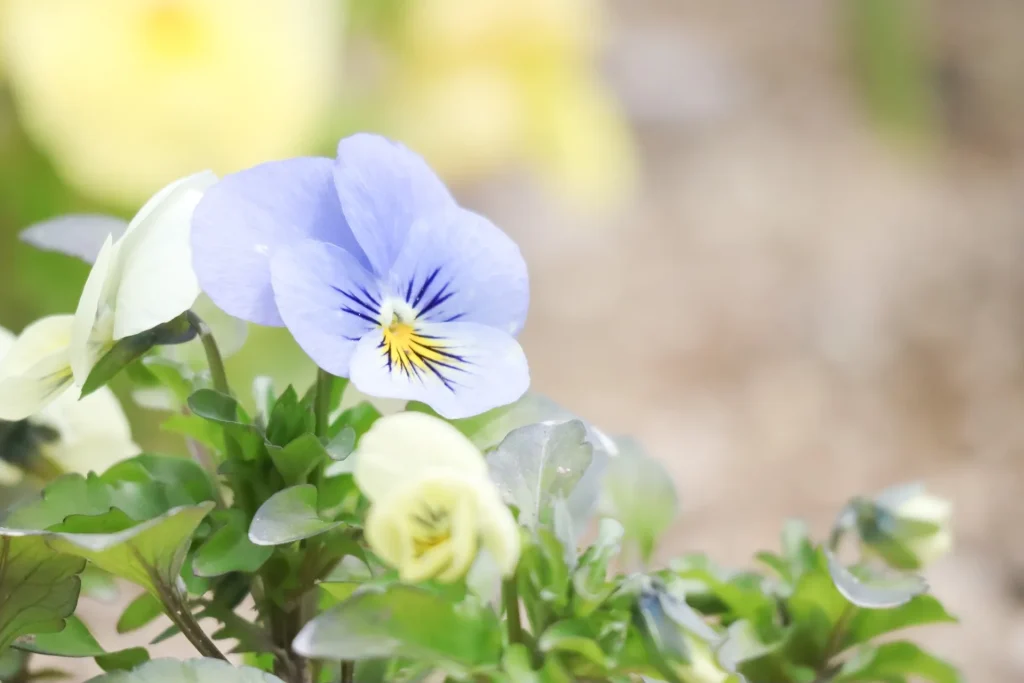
column 6, row 341
column 926, row 508
column 404, row 447
column 499, row 532
column 92, row 331
column 35, row 369
column 157, row 282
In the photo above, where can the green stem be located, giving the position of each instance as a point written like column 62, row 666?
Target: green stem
column 510, row 594
column 348, row 672
column 182, row 617
column 322, row 402
column 835, row 639
column 213, row 358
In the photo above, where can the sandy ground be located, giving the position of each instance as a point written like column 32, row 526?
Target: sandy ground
column 794, row 312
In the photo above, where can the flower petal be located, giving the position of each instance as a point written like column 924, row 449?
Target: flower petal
column 407, row 446
column 36, row 368
column 94, row 432
column 457, row 265
column 467, row 369
column 245, row 218
column 93, row 328
column 155, row 278
column 384, row 187
column 327, row 300
column 78, row 235
column 499, row 532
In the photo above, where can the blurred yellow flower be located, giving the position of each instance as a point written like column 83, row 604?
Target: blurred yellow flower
column 432, row 503
column 127, row 95
column 485, row 84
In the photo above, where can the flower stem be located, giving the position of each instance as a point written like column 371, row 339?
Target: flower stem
column 348, row 672
column 322, row 402
column 510, row 594
column 181, row 616
column 213, row 357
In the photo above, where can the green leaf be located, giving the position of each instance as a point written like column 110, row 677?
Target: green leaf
column 390, row 622
column 38, row 586
column 298, row 459
column 139, row 612
column 183, row 480
column 644, row 517
column 190, row 671
column 876, row 592
column 229, row 549
column 289, row 418
column 149, row 554
column 171, row 374
column 288, row 516
column 744, row 652
column 896, row 661
column 869, row 624
column 76, row 641
column 590, row 579
column 574, row 636
column 226, row 412
column 797, row 548
column 488, row 429
column 343, row 444
column 71, row 494
column 130, row 349
column 359, row 417
column 536, row 465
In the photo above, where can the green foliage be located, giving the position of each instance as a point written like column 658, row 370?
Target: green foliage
column 275, row 518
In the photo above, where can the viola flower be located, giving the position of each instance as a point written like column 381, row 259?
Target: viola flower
column 142, row 278
column 377, row 272
column 125, row 94
column 433, row 505
column 74, row 435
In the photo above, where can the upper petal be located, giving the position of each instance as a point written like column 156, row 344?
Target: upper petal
column 384, row 187
column 245, row 218
column 327, row 300
column 93, row 329
column 458, row 369
column 407, row 446
column 36, row 368
column 155, row 278
column 458, row 266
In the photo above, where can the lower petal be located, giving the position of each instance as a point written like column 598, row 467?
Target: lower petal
column 458, row 369
column 36, row 368
column 327, row 300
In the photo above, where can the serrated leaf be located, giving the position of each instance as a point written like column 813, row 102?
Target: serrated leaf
column 190, row 671
column 538, row 464
column 184, row 479
column 389, row 622
column 39, row 587
column 878, row 593
column 75, row 640
column 229, row 549
column 130, row 349
column 639, row 493
column 289, row 515
column 149, row 554
column 298, row 459
column 896, row 661
column 139, row 612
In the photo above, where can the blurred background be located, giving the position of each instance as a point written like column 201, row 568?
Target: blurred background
column 786, row 245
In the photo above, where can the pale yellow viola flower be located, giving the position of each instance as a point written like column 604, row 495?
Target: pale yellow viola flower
column 930, row 509
column 433, row 506
column 490, row 85
column 142, row 278
column 127, row 94
column 75, row 435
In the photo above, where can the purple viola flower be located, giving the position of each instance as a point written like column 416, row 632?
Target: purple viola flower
column 375, row 269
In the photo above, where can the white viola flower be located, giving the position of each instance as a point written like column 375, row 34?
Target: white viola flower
column 75, row 435
column 905, row 526
column 142, row 279
column 433, row 506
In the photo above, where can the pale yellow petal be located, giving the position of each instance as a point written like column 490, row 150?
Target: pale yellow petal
column 92, row 331
column 35, row 370
column 499, row 532
column 406, row 447
column 156, row 281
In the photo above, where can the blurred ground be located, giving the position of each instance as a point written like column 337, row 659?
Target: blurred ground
column 795, row 311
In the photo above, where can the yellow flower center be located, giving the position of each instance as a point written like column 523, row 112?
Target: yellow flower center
column 173, row 31
column 410, row 352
